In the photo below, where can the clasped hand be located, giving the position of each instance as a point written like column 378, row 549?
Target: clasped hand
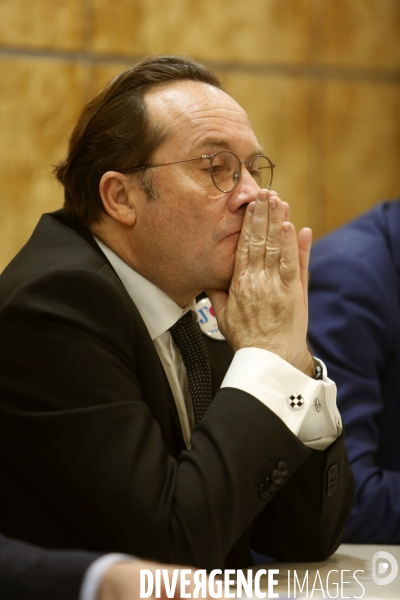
column 267, row 302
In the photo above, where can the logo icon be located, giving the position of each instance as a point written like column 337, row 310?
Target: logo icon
column 380, row 566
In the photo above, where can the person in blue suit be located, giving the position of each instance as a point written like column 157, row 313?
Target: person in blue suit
column 355, row 329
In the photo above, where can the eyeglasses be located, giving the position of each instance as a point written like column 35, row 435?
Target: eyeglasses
column 225, row 169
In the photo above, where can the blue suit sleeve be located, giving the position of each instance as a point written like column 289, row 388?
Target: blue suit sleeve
column 351, row 329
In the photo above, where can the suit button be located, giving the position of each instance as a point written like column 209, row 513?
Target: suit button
column 262, row 490
column 277, row 477
column 269, row 485
column 332, row 479
column 331, row 490
column 283, row 468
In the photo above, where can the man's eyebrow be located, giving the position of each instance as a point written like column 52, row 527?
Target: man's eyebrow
column 211, row 141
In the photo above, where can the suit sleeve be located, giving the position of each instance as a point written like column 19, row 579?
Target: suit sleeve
column 31, row 573
column 74, row 396
column 351, row 329
column 296, row 534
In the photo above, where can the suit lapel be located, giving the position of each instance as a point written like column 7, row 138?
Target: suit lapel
column 392, row 223
column 151, row 374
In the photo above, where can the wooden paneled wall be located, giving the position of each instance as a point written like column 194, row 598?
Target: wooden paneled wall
column 320, row 80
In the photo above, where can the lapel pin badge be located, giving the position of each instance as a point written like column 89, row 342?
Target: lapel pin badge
column 207, row 320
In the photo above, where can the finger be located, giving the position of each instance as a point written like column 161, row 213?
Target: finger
column 289, row 262
column 276, row 220
column 286, row 209
column 259, row 231
column 218, row 299
column 304, row 245
column 242, row 248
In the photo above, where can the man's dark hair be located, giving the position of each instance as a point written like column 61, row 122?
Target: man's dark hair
column 113, row 132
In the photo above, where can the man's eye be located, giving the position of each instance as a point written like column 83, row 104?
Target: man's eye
column 256, row 174
column 214, row 170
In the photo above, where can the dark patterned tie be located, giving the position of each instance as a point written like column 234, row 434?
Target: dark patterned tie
column 189, row 340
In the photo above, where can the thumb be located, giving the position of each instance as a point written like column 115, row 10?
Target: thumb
column 218, row 299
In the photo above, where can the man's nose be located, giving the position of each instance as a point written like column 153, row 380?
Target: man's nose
column 245, row 192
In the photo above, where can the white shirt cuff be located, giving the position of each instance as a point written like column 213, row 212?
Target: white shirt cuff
column 272, row 380
column 94, row 574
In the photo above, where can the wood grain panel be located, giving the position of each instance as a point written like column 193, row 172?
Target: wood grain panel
column 102, row 74
column 362, row 148
column 263, row 30
column 361, row 33
column 39, row 103
column 41, row 23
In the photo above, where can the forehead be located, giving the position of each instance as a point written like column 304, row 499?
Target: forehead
column 197, row 114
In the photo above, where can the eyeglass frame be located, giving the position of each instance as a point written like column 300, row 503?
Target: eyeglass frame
column 211, row 158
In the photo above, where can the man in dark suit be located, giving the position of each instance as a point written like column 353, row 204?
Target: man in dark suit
column 355, row 329
column 32, row 573
column 108, row 439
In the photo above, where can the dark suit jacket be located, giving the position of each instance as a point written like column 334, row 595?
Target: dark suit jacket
column 91, row 450
column 355, row 329
column 32, row 573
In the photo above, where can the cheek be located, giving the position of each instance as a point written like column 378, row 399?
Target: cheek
column 174, row 231
column 190, row 216
column 184, row 212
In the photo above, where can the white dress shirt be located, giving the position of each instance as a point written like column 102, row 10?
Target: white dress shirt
column 94, row 574
column 258, row 372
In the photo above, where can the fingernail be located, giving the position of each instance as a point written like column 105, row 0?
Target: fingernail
column 285, row 227
column 272, row 203
column 251, row 207
column 263, row 196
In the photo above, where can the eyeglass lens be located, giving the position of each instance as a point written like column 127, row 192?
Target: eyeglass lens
column 225, row 171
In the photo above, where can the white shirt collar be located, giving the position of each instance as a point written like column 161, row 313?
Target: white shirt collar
column 158, row 311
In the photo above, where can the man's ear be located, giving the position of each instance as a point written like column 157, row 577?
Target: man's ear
column 117, row 192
